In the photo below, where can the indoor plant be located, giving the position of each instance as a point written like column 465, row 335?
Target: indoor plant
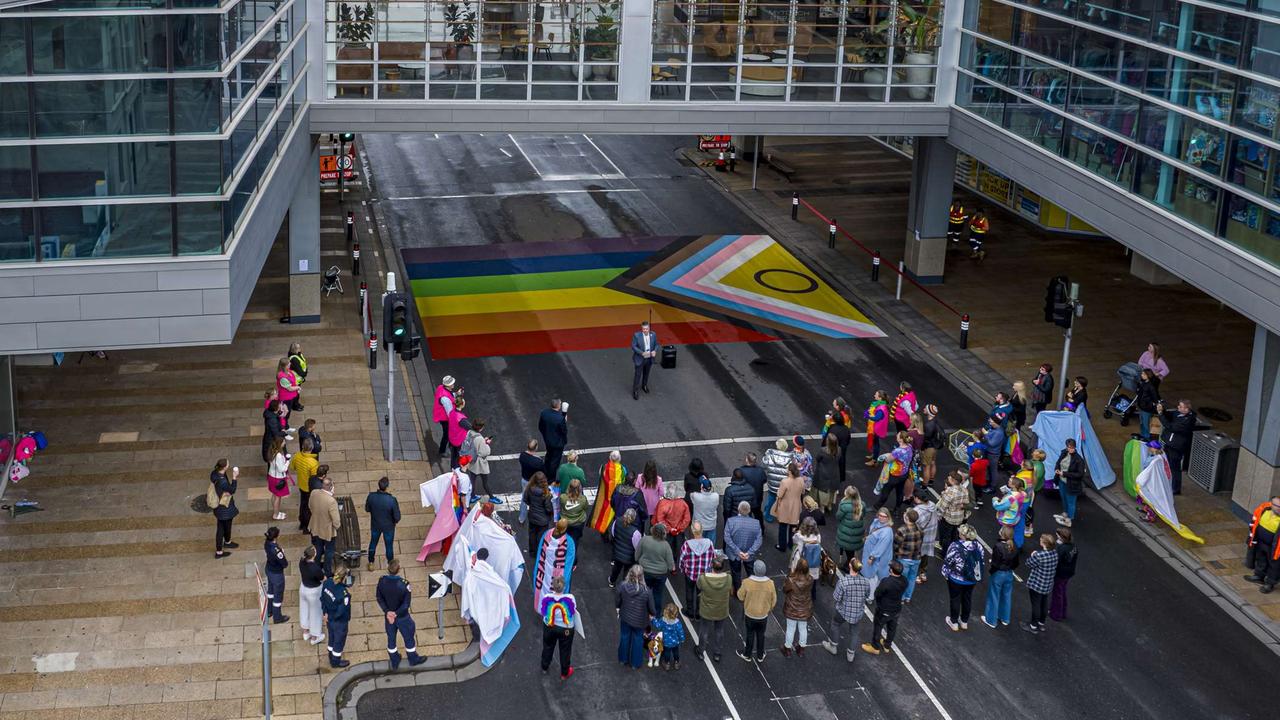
column 461, row 22
column 355, row 24
column 918, row 32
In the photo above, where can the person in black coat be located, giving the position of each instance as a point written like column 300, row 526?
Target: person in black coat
column 530, row 463
column 1178, row 426
column 274, row 426
column 757, row 479
column 224, row 485
column 537, row 495
column 1146, row 400
column 843, row 436
column 384, row 514
column 1069, row 471
column 553, row 423
column 308, row 430
column 276, row 564
column 693, row 482
column 739, row 490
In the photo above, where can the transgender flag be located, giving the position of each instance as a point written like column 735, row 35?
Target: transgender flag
column 490, row 652
column 441, row 493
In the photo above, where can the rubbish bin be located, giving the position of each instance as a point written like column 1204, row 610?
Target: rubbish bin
column 1213, row 460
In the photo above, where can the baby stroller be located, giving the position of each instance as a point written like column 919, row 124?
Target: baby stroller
column 1129, row 374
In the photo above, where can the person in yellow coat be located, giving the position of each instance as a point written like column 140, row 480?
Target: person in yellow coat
column 979, row 225
column 955, row 222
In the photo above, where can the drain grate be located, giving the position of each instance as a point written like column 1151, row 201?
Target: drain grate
column 199, row 505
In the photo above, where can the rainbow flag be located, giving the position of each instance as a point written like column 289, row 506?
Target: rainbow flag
column 529, row 298
column 611, row 476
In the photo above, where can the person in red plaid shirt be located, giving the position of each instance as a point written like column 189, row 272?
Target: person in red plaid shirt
column 695, row 559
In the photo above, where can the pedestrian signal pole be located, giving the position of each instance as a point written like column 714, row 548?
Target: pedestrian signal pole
column 391, row 378
column 1074, row 309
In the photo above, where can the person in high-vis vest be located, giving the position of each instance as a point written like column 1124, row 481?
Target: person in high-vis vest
column 955, row 222
column 298, row 362
column 978, row 227
column 1263, row 553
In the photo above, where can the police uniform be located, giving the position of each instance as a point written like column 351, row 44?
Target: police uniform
column 336, row 603
column 955, row 222
column 276, row 563
column 978, row 227
column 394, row 595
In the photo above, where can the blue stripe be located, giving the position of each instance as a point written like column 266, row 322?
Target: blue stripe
column 667, row 282
column 517, row 266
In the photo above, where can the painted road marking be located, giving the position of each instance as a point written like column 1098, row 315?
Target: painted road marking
column 706, row 658
column 612, row 164
column 513, row 193
column 676, row 444
column 524, row 154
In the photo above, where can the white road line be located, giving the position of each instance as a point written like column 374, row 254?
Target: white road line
column 897, row 650
column 504, row 152
column 607, row 159
column 675, row 444
column 583, row 177
column 512, row 193
column 526, row 155
column 706, row 659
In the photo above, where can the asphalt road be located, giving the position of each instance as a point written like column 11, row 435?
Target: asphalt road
column 1141, row 642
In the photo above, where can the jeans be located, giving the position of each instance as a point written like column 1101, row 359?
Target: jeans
column 1039, row 607
column 388, row 537
column 658, row 586
column 889, row 623
column 630, row 645
column 784, row 536
column 575, row 532
column 691, row 597
column 708, row 534
column 754, row 634
column 999, row 597
column 910, row 569
column 670, row 654
column 1069, row 503
column 553, row 637
column 839, row 633
column 796, row 626
column 324, row 553
column 712, row 632
column 961, row 602
column 1144, row 424
column 769, row 498
column 1058, row 603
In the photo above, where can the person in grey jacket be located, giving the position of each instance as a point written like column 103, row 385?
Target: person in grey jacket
column 655, row 558
column 775, row 462
column 635, row 610
column 742, row 539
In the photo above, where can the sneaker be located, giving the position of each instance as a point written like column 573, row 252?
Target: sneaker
column 498, row 501
column 610, row 583
column 887, row 649
column 988, row 623
column 230, row 545
column 954, row 627
column 1066, row 522
column 315, row 640
column 370, row 566
column 921, row 579
column 1059, row 517
column 1029, row 627
column 760, row 659
column 567, row 673
column 869, row 648
column 697, row 651
column 219, row 556
column 675, row 665
column 745, row 657
column 1028, row 532
column 964, row 625
column 1266, row 589
column 1253, row 579
column 850, row 655
column 830, row 647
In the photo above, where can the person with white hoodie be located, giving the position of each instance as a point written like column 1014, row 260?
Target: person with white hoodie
column 696, row 556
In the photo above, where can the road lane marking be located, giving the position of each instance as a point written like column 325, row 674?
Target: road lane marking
column 512, row 193
column 607, row 159
column 526, row 155
column 675, row 444
column 897, row 650
column 706, row 657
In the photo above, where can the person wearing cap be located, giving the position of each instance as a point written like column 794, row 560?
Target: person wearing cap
column 446, row 394
column 758, row 595
column 706, row 506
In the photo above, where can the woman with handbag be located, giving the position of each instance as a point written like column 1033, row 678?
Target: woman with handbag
column 221, row 497
column 277, row 477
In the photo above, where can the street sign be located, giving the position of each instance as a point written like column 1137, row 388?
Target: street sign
column 438, row 585
column 714, row 142
column 345, row 162
column 262, row 595
column 330, row 164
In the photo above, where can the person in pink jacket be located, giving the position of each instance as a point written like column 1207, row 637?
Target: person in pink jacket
column 459, row 425
column 288, row 388
column 1154, row 361
column 904, row 406
column 446, row 393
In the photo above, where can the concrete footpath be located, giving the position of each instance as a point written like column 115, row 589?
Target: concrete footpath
column 865, row 185
column 113, row 605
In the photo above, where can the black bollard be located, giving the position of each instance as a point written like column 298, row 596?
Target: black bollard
column 964, row 331
column 373, row 351
column 875, row 267
column 831, row 239
column 795, row 205
column 355, row 260
column 351, row 227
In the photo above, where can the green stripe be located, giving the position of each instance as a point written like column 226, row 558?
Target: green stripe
column 485, row 284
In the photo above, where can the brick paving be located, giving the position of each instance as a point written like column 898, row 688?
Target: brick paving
column 864, row 185
column 112, row 603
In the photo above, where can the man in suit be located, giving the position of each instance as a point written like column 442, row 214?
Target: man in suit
column 325, row 522
column 553, row 423
column 1179, row 426
column 644, row 348
column 384, row 514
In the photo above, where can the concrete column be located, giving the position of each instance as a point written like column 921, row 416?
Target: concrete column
column 933, row 172
column 1258, row 471
column 304, row 245
column 1144, row 269
column 636, row 59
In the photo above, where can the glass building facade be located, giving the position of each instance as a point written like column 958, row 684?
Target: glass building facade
column 140, row 127
column 702, row 51
column 1174, row 102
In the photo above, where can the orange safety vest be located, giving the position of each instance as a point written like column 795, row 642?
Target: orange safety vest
column 978, row 224
column 956, row 214
column 1253, row 529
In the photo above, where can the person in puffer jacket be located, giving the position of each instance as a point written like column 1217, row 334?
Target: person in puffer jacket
column 775, row 462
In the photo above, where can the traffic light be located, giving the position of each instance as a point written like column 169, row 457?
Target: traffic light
column 411, row 349
column 395, row 321
column 347, row 137
column 1057, row 302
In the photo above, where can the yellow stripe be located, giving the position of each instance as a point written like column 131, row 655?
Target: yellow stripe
column 531, row 300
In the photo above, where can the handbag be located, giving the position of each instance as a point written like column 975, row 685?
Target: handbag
column 211, row 496
column 225, row 500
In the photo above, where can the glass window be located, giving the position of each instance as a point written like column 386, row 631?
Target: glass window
column 1045, row 36
column 199, row 167
column 1187, row 196
column 1264, row 56
column 1253, row 228
column 105, row 231
column 197, row 105
column 129, row 43
column 199, row 228
column 1030, row 121
column 15, row 119
column 13, row 47
column 102, row 107
column 17, row 235
column 1217, row 35
column 101, row 4
column 1104, row 156
column 85, row 171
column 15, row 172
column 997, row 20
column 1103, row 106
column 197, row 42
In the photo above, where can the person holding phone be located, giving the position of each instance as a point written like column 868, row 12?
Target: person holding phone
column 644, row 348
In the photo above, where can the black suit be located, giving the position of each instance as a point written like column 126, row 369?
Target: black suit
column 640, row 378
column 554, row 427
column 1177, row 442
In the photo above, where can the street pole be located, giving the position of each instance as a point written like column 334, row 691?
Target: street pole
column 755, row 163
column 342, row 153
column 1066, row 344
column 440, row 619
column 391, row 384
column 266, row 666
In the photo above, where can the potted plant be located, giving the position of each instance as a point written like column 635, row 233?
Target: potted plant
column 601, row 36
column 918, row 31
column 870, row 47
column 461, row 21
column 355, row 24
